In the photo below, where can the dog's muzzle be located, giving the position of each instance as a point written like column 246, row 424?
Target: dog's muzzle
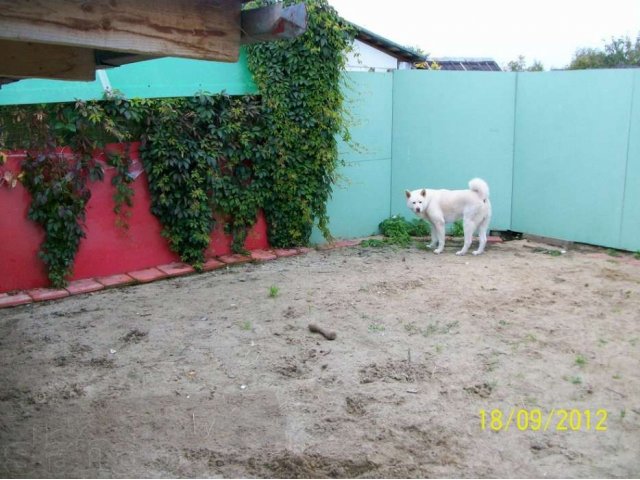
column 417, row 210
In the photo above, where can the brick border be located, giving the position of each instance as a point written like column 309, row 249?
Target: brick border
column 87, row 285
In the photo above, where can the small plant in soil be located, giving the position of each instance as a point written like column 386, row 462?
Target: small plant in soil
column 376, row 328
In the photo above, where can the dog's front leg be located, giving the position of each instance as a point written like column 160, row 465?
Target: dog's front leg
column 434, row 237
column 439, row 229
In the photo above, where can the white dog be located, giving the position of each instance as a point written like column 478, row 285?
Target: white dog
column 439, row 207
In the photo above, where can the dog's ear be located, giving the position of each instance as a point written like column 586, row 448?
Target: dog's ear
column 407, row 193
column 423, row 192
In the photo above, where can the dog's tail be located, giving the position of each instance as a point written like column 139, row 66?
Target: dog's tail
column 480, row 187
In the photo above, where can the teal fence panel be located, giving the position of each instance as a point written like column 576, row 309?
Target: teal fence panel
column 571, row 147
column 630, row 228
column 360, row 199
column 449, row 127
column 162, row 77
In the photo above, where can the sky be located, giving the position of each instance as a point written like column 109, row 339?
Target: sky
column 546, row 30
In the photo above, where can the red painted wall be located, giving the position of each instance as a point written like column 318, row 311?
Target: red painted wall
column 107, row 249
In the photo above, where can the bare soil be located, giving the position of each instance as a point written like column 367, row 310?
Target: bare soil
column 218, row 375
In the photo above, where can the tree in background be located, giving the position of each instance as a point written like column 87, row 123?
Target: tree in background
column 619, row 53
column 520, row 65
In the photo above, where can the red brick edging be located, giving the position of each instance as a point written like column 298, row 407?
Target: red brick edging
column 175, row 269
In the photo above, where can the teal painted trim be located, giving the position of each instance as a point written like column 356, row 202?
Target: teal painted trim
column 162, row 77
column 49, row 91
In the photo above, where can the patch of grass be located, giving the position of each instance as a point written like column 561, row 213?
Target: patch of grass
column 431, row 329
column 273, row 291
column 617, row 376
column 373, row 242
column 449, row 326
column 581, row 361
column 602, row 342
column 575, row 380
column 547, row 251
column 637, row 255
column 613, row 253
column 623, row 413
column 436, row 328
column 246, row 325
column 411, row 328
column 376, row 328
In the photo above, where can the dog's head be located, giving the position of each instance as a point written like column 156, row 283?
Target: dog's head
column 416, row 200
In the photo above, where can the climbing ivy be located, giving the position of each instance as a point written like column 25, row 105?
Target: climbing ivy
column 59, row 198
column 58, row 179
column 200, row 155
column 121, row 181
column 240, row 182
column 205, row 156
column 300, row 84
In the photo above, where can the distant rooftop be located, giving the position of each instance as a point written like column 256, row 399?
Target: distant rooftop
column 407, row 54
column 467, row 64
column 404, row 54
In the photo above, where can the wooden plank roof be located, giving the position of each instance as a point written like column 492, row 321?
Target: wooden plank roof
column 69, row 39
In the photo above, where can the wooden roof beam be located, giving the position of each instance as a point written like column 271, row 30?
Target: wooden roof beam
column 37, row 60
column 203, row 29
column 69, row 39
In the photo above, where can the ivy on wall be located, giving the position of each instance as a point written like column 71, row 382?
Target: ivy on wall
column 204, row 155
column 59, row 199
column 58, row 180
column 200, row 154
column 300, row 84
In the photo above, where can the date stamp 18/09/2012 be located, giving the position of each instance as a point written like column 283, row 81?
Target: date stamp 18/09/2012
column 557, row 419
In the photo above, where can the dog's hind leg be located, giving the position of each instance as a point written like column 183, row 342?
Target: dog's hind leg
column 482, row 233
column 469, row 228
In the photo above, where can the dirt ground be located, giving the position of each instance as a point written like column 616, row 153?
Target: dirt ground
column 217, row 374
